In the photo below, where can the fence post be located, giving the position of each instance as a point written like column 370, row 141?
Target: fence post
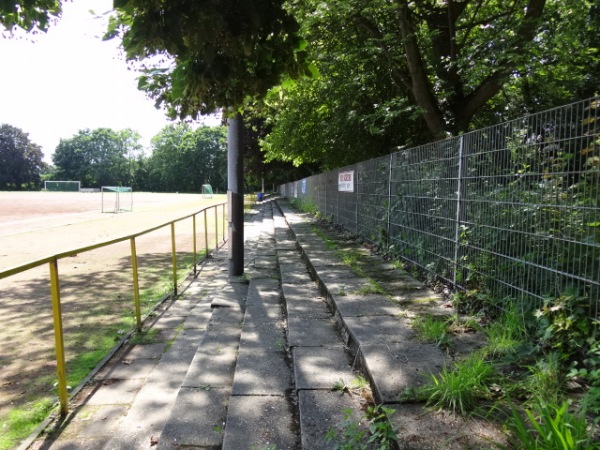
column 136, row 285
column 389, row 207
column 459, row 206
column 205, row 235
column 357, row 194
column 194, row 241
column 216, row 228
column 174, row 259
column 61, row 371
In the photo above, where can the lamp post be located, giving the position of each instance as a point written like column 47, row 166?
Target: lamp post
column 235, row 195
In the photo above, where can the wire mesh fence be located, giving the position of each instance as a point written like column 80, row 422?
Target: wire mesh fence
column 512, row 209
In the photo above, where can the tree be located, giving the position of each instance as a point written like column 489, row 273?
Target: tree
column 199, row 56
column 20, row 160
column 465, row 64
column 100, row 157
column 184, row 159
column 28, row 14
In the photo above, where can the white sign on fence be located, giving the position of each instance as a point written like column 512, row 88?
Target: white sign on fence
column 346, row 181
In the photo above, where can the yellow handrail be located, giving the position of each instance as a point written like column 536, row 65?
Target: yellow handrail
column 55, row 283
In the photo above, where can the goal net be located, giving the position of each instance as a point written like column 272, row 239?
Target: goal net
column 207, row 191
column 62, row 186
column 116, row 199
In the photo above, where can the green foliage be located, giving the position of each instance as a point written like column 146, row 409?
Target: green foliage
column 432, row 329
column 506, row 334
column 20, row 160
column 458, row 388
column 100, row 157
column 183, row 159
column 351, row 434
column 565, row 324
column 217, row 54
column 21, row 422
column 549, row 427
column 28, row 14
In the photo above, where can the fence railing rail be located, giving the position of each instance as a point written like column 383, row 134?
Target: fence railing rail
column 219, row 211
column 512, row 210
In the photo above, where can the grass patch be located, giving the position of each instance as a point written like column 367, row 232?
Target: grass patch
column 144, row 337
column 458, row 388
column 549, row 427
column 505, row 335
column 432, row 329
column 21, row 422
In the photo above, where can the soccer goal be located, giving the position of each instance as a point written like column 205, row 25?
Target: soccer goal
column 207, row 191
column 62, row 186
column 116, row 199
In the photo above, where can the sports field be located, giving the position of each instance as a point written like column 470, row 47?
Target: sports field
column 95, row 286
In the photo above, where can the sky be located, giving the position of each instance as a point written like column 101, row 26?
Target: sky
column 54, row 84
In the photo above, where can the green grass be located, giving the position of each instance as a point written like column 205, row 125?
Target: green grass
column 144, row 337
column 505, row 335
column 21, row 422
column 549, row 427
column 458, row 388
column 432, row 329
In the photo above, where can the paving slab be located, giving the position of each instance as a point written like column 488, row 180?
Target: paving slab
column 261, row 422
column 264, row 291
column 262, row 372
column 396, row 366
column 310, row 332
column 290, row 258
column 266, row 261
column 114, row 391
column 321, row 367
column 128, row 369
column 268, row 336
column 145, row 351
column 198, row 419
column 293, row 293
column 365, row 305
column 294, row 275
column 322, row 411
column 378, row 329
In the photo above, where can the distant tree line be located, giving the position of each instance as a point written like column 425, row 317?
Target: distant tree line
column 181, row 159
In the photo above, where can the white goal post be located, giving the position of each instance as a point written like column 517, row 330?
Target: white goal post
column 207, row 191
column 116, row 199
column 62, row 186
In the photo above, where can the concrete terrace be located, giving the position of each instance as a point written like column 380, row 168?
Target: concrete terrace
column 267, row 361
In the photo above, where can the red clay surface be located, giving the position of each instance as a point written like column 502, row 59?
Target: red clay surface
column 95, row 285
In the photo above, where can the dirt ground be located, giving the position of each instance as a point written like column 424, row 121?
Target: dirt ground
column 95, row 285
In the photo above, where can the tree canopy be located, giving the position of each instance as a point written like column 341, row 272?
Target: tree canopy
column 184, row 159
column 396, row 74
column 198, row 56
column 20, row 160
column 28, row 14
column 100, row 157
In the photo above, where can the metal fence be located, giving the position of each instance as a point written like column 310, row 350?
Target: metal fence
column 512, row 210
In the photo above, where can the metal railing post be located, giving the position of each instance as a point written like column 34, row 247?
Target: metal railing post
column 459, row 211
column 61, row 371
column 174, row 259
column 216, row 229
column 205, row 234
column 136, row 286
column 224, row 222
column 194, row 243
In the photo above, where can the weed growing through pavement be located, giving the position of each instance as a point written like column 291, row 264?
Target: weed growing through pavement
column 459, row 387
column 372, row 430
column 432, row 329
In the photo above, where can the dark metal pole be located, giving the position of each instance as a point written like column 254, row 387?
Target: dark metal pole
column 235, row 195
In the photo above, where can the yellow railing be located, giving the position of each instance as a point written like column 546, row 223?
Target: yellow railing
column 52, row 261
